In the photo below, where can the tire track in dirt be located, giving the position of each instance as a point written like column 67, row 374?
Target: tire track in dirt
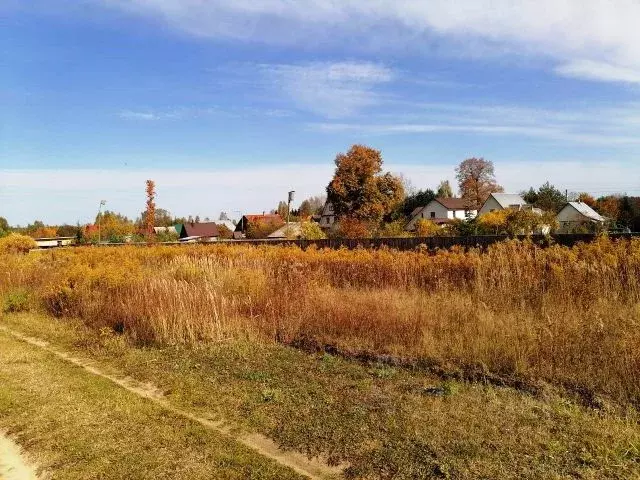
column 312, row 468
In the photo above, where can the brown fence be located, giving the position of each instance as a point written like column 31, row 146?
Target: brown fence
column 431, row 243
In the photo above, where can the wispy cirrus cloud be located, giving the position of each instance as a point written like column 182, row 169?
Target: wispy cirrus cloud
column 599, row 71
column 331, row 89
column 606, row 126
column 589, row 39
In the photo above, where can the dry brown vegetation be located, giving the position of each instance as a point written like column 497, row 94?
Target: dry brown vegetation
column 567, row 316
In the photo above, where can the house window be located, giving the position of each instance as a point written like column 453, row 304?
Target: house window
column 433, row 214
column 454, row 214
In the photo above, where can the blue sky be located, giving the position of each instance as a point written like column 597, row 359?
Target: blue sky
column 228, row 105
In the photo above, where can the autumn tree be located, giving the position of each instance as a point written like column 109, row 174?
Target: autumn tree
column 311, row 231
column 360, row 190
column 262, row 228
column 282, row 209
column 587, row 199
column 444, row 190
column 609, row 206
column 426, row 228
column 311, row 206
column 113, row 226
column 150, row 212
column 476, row 181
column 4, row 227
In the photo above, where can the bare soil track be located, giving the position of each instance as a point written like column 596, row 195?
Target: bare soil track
column 312, row 468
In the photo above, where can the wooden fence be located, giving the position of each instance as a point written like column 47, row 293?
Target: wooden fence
column 431, row 243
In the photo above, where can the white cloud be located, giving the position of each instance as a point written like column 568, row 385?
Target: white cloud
column 569, row 31
column 70, row 195
column 606, row 126
column 330, row 89
column 599, row 71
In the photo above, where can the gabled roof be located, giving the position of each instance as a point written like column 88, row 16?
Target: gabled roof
column 294, row 229
column 452, row 203
column 416, row 211
column 265, row 217
column 227, row 223
column 207, row 229
column 507, row 199
column 587, row 211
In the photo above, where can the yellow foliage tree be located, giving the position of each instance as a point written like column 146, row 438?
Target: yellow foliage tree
column 426, row 228
column 494, row 222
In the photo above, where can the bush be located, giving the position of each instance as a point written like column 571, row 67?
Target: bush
column 353, row 228
column 16, row 243
column 17, row 301
column 426, row 228
column 311, row 231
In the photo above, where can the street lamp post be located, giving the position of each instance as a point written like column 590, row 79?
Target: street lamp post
column 290, row 199
column 102, row 204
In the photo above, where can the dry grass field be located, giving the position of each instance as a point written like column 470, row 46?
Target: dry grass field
column 435, row 338
column 567, row 316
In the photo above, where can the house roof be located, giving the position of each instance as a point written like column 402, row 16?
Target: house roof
column 206, row 229
column 416, row 211
column 293, row 228
column 265, row 217
column 452, row 203
column 506, row 199
column 587, row 211
column 227, row 223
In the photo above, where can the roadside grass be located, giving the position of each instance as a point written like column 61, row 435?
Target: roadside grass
column 384, row 422
column 75, row 425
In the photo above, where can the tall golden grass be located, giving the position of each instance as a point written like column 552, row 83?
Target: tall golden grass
column 569, row 316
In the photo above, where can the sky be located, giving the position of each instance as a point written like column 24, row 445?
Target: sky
column 228, row 105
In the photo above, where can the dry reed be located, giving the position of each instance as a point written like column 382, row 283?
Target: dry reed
column 569, row 316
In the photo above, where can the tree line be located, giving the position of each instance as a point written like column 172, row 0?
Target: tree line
column 367, row 201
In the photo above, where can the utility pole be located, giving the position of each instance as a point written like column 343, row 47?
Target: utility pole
column 102, row 203
column 289, row 204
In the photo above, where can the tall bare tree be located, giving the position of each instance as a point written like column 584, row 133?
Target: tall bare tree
column 476, row 181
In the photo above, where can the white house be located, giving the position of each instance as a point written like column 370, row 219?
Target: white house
column 503, row 201
column 441, row 211
column 328, row 216
column 578, row 215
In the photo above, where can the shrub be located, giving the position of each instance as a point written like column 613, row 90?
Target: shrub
column 426, row 228
column 16, row 243
column 311, row 231
column 16, row 301
column 353, row 228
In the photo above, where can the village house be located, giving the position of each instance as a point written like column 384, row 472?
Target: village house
column 198, row 232
column 327, row 216
column 441, row 211
column 578, row 216
column 503, row 201
column 246, row 220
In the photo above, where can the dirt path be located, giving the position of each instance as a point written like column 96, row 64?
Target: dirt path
column 314, row 469
column 13, row 466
